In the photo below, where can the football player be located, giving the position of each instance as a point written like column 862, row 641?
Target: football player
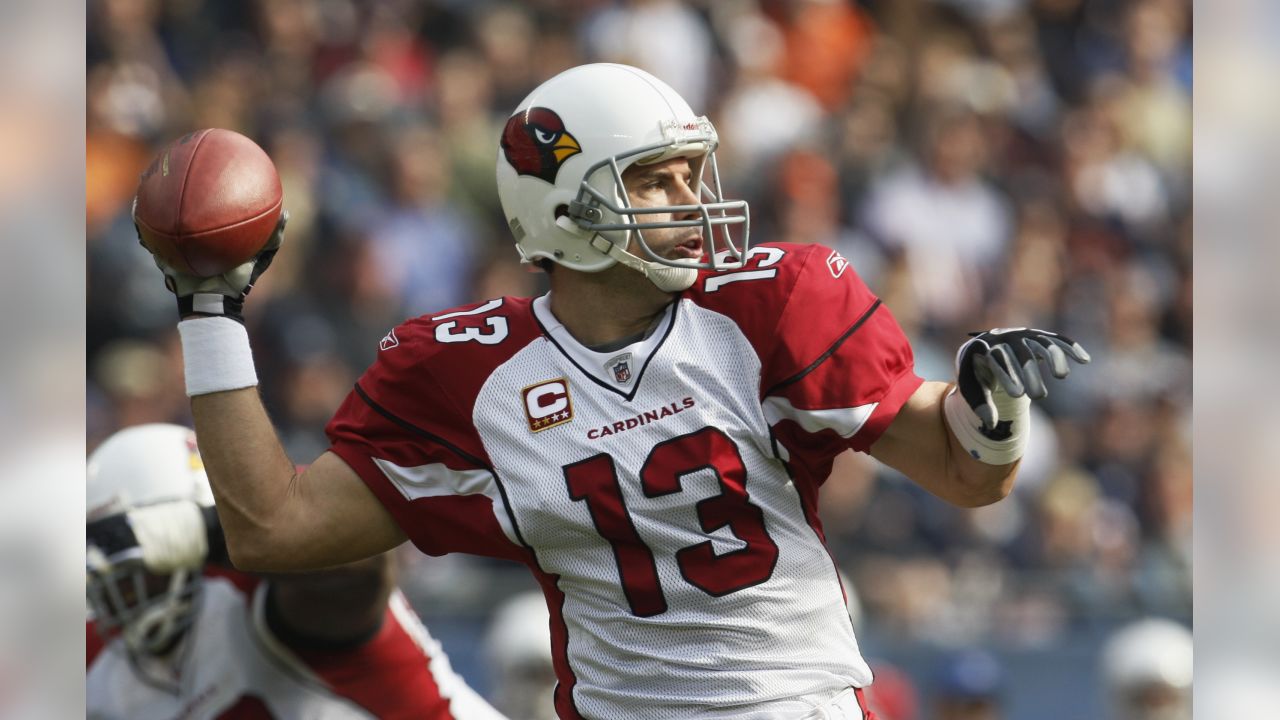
column 648, row 438
column 1146, row 670
column 174, row 634
column 969, row 685
column 517, row 650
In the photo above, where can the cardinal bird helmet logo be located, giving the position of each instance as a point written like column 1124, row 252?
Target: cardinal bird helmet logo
column 536, row 143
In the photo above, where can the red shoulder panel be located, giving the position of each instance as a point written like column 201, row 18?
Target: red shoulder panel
column 793, row 302
column 429, row 370
column 413, row 407
column 825, row 342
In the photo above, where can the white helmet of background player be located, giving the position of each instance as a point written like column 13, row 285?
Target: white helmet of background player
column 560, row 165
column 518, row 651
column 139, row 466
column 1146, row 667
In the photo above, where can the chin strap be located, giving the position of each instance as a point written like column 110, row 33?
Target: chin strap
column 667, row 278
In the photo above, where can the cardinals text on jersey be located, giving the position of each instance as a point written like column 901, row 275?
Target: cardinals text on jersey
column 671, row 519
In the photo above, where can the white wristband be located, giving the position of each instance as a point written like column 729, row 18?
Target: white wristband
column 967, row 427
column 216, row 355
column 172, row 535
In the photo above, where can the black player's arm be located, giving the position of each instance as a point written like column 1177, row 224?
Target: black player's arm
column 275, row 518
column 335, row 609
column 920, row 444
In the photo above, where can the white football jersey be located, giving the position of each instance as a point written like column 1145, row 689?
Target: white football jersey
column 230, row 666
column 664, row 494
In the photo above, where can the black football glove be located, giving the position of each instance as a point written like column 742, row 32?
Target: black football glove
column 221, row 295
column 1007, row 360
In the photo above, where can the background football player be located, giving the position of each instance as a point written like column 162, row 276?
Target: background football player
column 175, row 631
column 1146, row 669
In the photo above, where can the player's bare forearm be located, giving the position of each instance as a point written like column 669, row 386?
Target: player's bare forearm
column 274, row 518
column 250, row 473
column 920, row 444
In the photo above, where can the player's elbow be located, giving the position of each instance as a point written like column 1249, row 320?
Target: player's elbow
column 983, row 497
column 256, row 552
column 986, row 489
column 246, row 555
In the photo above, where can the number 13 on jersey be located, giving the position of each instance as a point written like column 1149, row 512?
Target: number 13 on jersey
column 491, row 332
column 595, row 481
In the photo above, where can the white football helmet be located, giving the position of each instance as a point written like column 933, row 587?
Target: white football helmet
column 518, row 651
column 140, row 466
column 560, row 165
column 1146, row 667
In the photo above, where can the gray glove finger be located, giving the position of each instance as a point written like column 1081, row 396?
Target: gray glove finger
column 1004, row 368
column 1072, row 348
column 1031, row 377
column 277, row 235
column 243, row 276
column 986, row 410
column 237, row 277
column 1053, row 357
column 987, row 413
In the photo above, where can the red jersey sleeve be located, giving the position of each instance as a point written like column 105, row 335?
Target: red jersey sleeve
column 835, row 366
column 406, row 429
column 842, row 365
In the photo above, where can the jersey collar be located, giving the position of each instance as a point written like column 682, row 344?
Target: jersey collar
column 618, row 370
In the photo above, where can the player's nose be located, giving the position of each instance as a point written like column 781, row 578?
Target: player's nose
column 685, row 195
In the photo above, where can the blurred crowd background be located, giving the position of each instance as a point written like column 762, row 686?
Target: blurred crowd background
column 981, row 163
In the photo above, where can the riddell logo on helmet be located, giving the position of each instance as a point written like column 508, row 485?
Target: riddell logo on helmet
column 536, row 143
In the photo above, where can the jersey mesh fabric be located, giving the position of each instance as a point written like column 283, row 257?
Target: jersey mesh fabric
column 772, row 649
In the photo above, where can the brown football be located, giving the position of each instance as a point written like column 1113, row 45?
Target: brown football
column 208, row 202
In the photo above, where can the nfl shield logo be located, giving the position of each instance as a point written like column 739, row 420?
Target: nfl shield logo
column 622, row 371
column 621, row 368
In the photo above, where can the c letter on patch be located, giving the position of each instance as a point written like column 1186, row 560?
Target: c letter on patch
column 547, row 404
